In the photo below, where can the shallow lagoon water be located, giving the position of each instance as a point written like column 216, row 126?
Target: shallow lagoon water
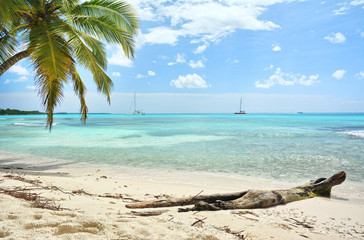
column 289, row 147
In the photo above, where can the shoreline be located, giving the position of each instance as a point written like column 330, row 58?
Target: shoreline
column 93, row 200
column 350, row 192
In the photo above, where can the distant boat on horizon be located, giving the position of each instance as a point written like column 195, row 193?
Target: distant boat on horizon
column 240, row 111
column 299, row 112
column 136, row 111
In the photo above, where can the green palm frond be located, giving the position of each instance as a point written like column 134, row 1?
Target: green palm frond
column 51, row 92
column 51, row 58
column 80, row 90
column 50, row 53
column 80, row 40
column 87, row 58
column 122, row 13
column 8, row 43
column 67, row 4
column 8, row 9
column 104, row 28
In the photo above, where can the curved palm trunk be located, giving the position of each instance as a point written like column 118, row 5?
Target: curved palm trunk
column 12, row 60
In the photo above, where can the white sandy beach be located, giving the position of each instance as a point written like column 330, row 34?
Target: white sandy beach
column 88, row 213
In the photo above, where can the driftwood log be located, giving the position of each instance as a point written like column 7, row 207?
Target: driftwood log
column 251, row 198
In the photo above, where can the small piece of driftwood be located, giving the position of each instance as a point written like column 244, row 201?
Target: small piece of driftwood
column 251, row 198
column 147, row 213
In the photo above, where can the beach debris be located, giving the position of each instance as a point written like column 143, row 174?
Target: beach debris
column 226, row 229
column 19, row 178
column 80, row 192
column 245, row 212
column 106, row 195
column 303, row 224
column 249, row 199
column 199, row 222
column 147, row 213
column 37, row 200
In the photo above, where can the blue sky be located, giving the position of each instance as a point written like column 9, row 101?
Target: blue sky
column 201, row 56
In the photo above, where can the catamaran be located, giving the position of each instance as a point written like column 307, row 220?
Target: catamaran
column 240, row 111
column 136, row 112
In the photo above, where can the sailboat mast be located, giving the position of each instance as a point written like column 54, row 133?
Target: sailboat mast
column 134, row 102
column 241, row 101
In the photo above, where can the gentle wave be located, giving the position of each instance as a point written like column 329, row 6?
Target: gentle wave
column 31, row 124
column 28, row 124
column 356, row 133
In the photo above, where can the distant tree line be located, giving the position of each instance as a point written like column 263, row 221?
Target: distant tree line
column 9, row 111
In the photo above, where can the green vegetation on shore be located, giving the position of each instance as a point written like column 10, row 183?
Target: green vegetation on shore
column 9, row 111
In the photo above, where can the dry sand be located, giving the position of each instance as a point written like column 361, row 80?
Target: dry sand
column 89, row 214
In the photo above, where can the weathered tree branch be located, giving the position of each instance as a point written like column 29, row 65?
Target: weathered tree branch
column 251, row 198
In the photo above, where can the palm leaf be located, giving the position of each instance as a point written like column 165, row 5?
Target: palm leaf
column 80, row 90
column 8, row 9
column 120, row 12
column 104, row 28
column 88, row 59
column 51, row 59
column 8, row 43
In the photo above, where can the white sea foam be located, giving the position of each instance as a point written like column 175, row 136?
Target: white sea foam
column 356, row 133
column 27, row 124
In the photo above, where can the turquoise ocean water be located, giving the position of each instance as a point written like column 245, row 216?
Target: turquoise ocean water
column 270, row 146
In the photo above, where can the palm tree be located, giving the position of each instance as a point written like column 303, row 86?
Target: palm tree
column 8, row 8
column 58, row 34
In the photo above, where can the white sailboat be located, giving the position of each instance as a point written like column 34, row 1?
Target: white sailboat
column 136, row 111
column 240, row 111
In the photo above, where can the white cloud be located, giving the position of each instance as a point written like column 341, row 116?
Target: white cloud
column 339, row 74
column 180, row 58
column 140, row 76
column 340, row 11
column 360, row 75
column 287, row 79
column 189, row 81
column 357, row 2
column 276, row 48
column 20, row 79
column 207, row 20
column 116, row 74
column 269, row 68
column 118, row 57
column 31, row 87
column 200, row 49
column 159, row 35
column 197, row 64
column 362, row 34
column 151, row 73
column 19, row 70
column 335, row 38
column 229, row 60
column 310, row 81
